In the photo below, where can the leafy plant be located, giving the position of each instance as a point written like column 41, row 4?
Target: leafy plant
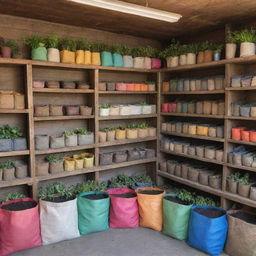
column 193, row 48
column 117, row 48
column 138, row 52
column 245, row 35
column 13, row 196
column 8, row 164
column 230, row 37
column 83, row 44
column 122, row 127
column 35, row 41
column 95, row 47
column 7, row 132
column 55, row 190
column 54, row 158
column 149, row 51
column 105, row 106
column 87, row 186
column 172, row 50
column 185, row 195
column 52, row 41
column 82, row 131
column 234, row 176
column 132, row 126
column 141, row 179
column 141, row 103
column 207, row 45
column 120, row 181
column 245, row 180
column 105, row 48
column 109, row 129
column 68, row 44
column 183, row 49
column 69, row 132
column 142, row 125
column 126, row 50
column 217, row 48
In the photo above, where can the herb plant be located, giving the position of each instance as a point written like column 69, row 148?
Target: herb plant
column 82, row 131
column 68, row 44
column 35, row 41
column 69, row 132
column 230, row 38
column 246, row 35
column 126, row 50
column 117, row 48
column 105, row 106
column 54, row 158
column 55, row 190
column 13, row 196
column 52, row 41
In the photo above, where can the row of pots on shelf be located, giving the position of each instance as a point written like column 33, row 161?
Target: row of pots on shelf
column 206, row 107
column 122, row 86
column 199, row 84
column 61, row 84
column 57, row 163
column 60, row 110
column 183, row 146
column 193, row 129
column 12, row 100
column 69, row 138
column 243, row 81
column 132, row 131
column 126, row 110
column 133, row 154
column 11, row 170
column 243, row 109
column 243, row 133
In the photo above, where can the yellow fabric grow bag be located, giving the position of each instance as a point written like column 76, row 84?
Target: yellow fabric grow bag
column 192, row 129
column 87, row 57
column 69, row 164
column 96, row 58
column 79, row 57
column 202, row 130
column 67, row 56
column 79, row 163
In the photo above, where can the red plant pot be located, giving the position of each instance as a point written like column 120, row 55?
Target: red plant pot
column 156, row 63
column 253, row 136
column 165, row 107
column 6, row 52
column 130, row 87
column 170, row 107
column 245, row 135
column 120, row 87
column 236, row 133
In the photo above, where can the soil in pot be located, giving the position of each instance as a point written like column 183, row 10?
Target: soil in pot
column 210, row 213
column 96, row 196
column 177, row 200
column 249, row 218
column 150, row 192
column 19, row 206
column 124, row 195
column 58, row 199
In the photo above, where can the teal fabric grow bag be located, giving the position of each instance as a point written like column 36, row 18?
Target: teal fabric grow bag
column 93, row 215
column 39, row 53
column 118, row 60
column 106, row 59
column 205, row 233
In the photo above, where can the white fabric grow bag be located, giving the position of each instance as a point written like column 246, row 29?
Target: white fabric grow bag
column 59, row 221
column 135, row 110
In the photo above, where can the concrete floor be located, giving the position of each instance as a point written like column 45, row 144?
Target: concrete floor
column 114, row 242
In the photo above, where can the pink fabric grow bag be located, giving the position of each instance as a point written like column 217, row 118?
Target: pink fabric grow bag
column 156, row 63
column 124, row 212
column 165, row 107
column 120, row 87
column 19, row 230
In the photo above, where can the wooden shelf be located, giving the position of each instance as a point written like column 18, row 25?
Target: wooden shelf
column 15, row 153
column 127, row 117
column 14, row 111
column 194, row 136
column 56, row 118
column 16, row 182
column 193, row 115
column 66, row 149
column 241, row 167
column 193, row 157
column 240, row 199
column 60, row 90
column 242, row 142
column 241, row 118
column 126, row 141
column 126, row 92
column 194, row 92
column 252, row 88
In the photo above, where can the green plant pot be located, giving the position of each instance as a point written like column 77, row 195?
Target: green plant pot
column 39, row 53
column 118, row 60
column 106, row 59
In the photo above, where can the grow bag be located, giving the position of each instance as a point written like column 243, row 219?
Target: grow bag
column 175, row 217
column 150, row 207
column 39, row 53
column 59, row 221
column 208, row 233
column 19, row 229
column 124, row 211
column 93, row 214
column 106, row 59
column 118, row 60
column 241, row 234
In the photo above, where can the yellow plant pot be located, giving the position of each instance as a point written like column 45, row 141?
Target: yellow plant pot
column 79, row 57
column 131, row 133
column 88, row 160
column 67, row 56
column 120, row 134
column 69, row 164
column 79, row 163
column 202, row 130
column 87, row 57
column 192, row 129
column 96, row 58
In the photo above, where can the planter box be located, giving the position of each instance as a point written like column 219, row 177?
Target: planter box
column 41, row 110
column 85, row 110
column 72, row 110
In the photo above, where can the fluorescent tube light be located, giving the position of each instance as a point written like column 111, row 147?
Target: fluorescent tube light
column 133, row 9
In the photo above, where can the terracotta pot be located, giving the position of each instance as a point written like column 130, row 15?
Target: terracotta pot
column 200, row 57
column 85, row 111
column 102, row 137
column 215, row 181
column 230, row 51
column 236, row 133
column 56, row 167
column 56, row 110
column 232, row 186
column 42, row 168
column 193, row 174
column 120, row 86
column 191, row 58
column 247, row 49
column 131, row 133
column 41, row 110
column 253, row 136
column 184, row 170
column 120, row 134
column 183, row 59
column 111, row 135
column 6, row 52
column 130, row 87
column 144, row 87
column 208, row 55
column 8, row 174
column 253, row 192
column 244, row 190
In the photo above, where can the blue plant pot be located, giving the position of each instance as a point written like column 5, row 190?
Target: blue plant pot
column 118, row 60
column 216, row 56
column 106, row 59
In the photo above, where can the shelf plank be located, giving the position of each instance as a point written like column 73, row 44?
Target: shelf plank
column 193, row 157
column 66, row 149
column 14, row 111
column 249, row 88
column 55, row 118
column 126, row 141
column 240, row 199
column 127, row 117
column 242, row 142
column 16, row 182
column 193, row 136
column 241, row 118
column 60, row 90
column 193, row 115
column 127, row 92
column 15, row 153
column 194, row 92
column 95, row 169
column 241, row 167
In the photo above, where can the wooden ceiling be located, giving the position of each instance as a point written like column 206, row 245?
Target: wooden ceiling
column 198, row 15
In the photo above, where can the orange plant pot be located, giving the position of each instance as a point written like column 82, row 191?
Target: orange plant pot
column 130, row 87
column 245, row 135
column 144, row 87
column 253, row 136
column 137, row 87
column 236, row 133
column 165, row 86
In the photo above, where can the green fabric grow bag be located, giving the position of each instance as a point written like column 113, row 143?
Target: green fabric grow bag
column 39, row 53
column 93, row 215
column 106, row 59
column 118, row 60
column 176, row 218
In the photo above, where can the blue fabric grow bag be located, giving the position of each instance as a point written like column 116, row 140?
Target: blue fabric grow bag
column 106, row 59
column 205, row 233
column 118, row 60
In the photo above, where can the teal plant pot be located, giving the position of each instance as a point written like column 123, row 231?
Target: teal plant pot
column 106, row 59
column 39, row 53
column 118, row 60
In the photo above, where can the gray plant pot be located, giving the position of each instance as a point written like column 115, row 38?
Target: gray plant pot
column 178, row 127
column 245, row 110
column 235, row 109
column 150, row 153
column 163, row 166
column 111, row 86
column 133, row 155
column 236, row 81
column 120, row 156
column 42, row 142
column 9, row 174
column 128, row 61
column 85, row 139
column 106, row 158
column 247, row 159
column 191, row 150
column 19, row 144
column 220, row 131
column 71, row 140
column 6, row 145
column 142, row 152
column 184, row 107
column 57, row 142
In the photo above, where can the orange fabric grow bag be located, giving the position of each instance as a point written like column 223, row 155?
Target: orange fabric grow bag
column 236, row 133
column 137, row 87
column 130, row 87
column 151, row 208
column 144, row 87
column 253, row 136
column 245, row 135
column 87, row 57
column 95, row 58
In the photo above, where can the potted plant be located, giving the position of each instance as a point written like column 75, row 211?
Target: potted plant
column 208, row 47
column 106, row 56
column 16, row 53
column 120, row 133
column 138, row 59
column 244, row 185
column 201, row 48
column 183, row 55
column 8, row 170
column 52, row 44
column 58, row 206
column 192, row 51
column 217, row 48
column 156, row 62
column 69, row 164
column 19, row 142
column 84, row 137
column 37, row 44
column 7, row 48
column 232, row 181
column 104, row 109
column 70, row 138
column 96, row 48
column 230, row 51
column 111, row 131
column 55, row 163
column 117, row 55
column 68, row 48
column 142, row 130
column 171, row 54
column 87, row 52
column 127, row 56
column 246, row 38
column 80, row 46
column 88, row 160
column 147, row 53
column 6, row 142
column 132, row 131
column 102, row 136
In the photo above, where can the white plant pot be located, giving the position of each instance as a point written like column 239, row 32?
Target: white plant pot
column 114, row 110
column 168, row 62
column 135, row 110
column 230, row 51
column 247, row 49
column 174, row 61
column 128, row 61
column 146, row 110
column 183, row 59
column 153, row 109
column 138, row 62
column 53, row 55
column 191, row 58
column 124, row 110
column 104, row 112
column 147, row 63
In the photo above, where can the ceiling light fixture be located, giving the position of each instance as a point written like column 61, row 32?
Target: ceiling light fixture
column 133, row 9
